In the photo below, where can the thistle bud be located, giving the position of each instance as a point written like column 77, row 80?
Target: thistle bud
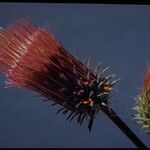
column 143, row 104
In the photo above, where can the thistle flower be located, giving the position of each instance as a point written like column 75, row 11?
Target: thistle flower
column 30, row 57
column 143, row 104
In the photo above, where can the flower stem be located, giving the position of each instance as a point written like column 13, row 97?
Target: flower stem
column 125, row 129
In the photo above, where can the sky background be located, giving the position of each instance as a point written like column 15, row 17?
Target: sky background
column 117, row 35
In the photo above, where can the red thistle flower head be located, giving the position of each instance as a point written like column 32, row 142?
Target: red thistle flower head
column 32, row 58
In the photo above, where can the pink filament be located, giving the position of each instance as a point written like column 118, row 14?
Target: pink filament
column 28, row 58
column 147, row 79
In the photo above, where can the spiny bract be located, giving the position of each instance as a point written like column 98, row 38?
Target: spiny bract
column 143, row 104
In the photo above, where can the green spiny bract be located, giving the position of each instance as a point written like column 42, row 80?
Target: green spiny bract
column 143, row 105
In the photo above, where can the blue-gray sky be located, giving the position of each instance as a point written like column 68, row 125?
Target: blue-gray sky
column 118, row 35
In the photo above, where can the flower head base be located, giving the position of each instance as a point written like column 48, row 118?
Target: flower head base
column 143, row 104
column 32, row 58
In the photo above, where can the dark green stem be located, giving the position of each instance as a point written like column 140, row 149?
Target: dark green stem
column 125, row 129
